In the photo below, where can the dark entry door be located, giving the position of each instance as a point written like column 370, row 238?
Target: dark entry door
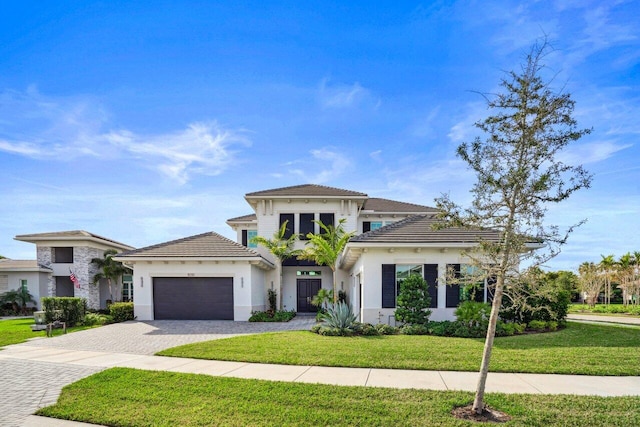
column 307, row 289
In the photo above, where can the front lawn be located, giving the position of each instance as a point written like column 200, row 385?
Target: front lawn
column 606, row 310
column 129, row 397
column 15, row 331
column 579, row 349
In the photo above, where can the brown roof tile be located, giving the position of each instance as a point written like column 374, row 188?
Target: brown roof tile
column 418, row 229
column 309, row 190
column 206, row 245
column 385, row 205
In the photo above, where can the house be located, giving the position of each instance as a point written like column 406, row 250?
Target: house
column 208, row 276
column 16, row 274
column 61, row 253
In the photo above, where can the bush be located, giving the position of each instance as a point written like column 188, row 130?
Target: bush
column 272, row 296
column 384, row 329
column 414, row 330
column 339, row 316
column 538, row 325
column 70, row 310
column 474, row 314
column 91, row 319
column 413, row 301
column 272, row 316
column 121, row 311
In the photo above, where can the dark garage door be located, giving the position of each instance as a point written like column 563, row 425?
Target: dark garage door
column 193, row 298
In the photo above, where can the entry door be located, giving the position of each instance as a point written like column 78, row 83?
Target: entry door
column 307, row 289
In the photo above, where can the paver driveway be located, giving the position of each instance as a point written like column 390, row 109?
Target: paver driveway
column 28, row 385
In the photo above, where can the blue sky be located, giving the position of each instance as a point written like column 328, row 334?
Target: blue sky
column 148, row 121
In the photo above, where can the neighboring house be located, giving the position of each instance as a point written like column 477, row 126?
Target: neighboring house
column 210, row 277
column 14, row 274
column 72, row 251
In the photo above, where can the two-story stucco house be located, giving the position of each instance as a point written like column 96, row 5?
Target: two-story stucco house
column 61, row 253
column 208, row 276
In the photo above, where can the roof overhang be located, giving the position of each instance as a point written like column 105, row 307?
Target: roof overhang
column 72, row 241
column 133, row 260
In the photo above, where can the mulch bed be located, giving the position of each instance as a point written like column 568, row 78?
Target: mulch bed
column 488, row 415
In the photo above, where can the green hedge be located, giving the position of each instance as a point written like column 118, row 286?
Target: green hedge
column 65, row 309
column 121, row 311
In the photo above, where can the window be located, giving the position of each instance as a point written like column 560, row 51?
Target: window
column 23, row 284
column 308, row 273
column 63, row 255
column 306, row 225
column 4, row 283
column 392, row 276
column 327, row 219
column 127, row 288
column 250, row 235
column 375, row 225
column 404, row 271
column 289, row 219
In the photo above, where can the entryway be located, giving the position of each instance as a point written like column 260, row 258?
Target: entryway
column 307, row 289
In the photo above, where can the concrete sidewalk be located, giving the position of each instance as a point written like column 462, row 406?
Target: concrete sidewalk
column 392, row 378
column 594, row 318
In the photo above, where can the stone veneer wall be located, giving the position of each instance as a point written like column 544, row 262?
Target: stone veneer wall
column 84, row 270
column 44, row 257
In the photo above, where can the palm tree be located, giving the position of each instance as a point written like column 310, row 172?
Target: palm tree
column 322, row 298
column 109, row 269
column 625, row 275
column 326, row 247
column 607, row 266
column 18, row 298
column 281, row 248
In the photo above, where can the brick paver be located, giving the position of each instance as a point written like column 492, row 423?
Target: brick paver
column 151, row 337
column 28, row 385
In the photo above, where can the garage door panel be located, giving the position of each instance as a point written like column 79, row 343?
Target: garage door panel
column 193, row 298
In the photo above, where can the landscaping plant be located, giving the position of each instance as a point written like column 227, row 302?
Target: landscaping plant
column 413, row 301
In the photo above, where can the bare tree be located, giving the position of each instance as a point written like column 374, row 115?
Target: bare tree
column 591, row 282
column 518, row 176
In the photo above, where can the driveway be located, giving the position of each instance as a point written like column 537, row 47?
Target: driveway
column 28, row 384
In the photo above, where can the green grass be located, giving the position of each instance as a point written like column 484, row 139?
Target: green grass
column 15, row 331
column 606, row 310
column 579, row 349
column 129, row 397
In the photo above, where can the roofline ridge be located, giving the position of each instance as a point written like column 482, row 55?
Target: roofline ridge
column 305, row 185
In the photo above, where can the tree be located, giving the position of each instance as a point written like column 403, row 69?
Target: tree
column 518, row 175
column 413, row 302
column 591, row 282
column 281, row 248
column 322, row 299
column 18, row 298
column 607, row 267
column 326, row 247
column 109, row 270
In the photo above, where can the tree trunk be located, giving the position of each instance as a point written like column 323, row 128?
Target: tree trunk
column 335, row 287
column 478, row 402
column 280, row 284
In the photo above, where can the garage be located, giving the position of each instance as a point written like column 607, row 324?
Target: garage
column 193, row 298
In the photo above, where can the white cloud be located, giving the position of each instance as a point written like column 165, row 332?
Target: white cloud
column 592, row 152
column 341, row 96
column 326, row 165
column 464, row 130
column 67, row 128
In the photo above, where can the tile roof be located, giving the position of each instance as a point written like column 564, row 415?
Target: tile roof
column 417, row 229
column 385, row 205
column 206, row 245
column 244, row 218
column 309, row 190
column 67, row 235
column 20, row 264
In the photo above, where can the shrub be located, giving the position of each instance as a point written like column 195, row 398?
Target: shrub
column 367, row 329
column 538, row 325
column 505, row 329
column 121, row 311
column 415, row 330
column 70, row 310
column 520, row 327
column 272, row 297
column 442, row 329
column 339, row 316
column 474, row 314
column 272, row 316
column 552, row 326
column 413, row 301
column 384, row 329
column 91, row 319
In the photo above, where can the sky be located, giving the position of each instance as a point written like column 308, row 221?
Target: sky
column 147, row 121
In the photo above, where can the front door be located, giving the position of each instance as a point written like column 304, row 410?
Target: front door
column 307, row 289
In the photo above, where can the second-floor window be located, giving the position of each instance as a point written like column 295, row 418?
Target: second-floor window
column 63, row 255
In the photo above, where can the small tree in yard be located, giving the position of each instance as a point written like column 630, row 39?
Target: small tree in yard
column 281, row 247
column 518, row 176
column 109, row 269
column 591, row 282
column 413, row 301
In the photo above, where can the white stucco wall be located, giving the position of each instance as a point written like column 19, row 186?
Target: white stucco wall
column 369, row 267
column 248, row 283
column 37, row 284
